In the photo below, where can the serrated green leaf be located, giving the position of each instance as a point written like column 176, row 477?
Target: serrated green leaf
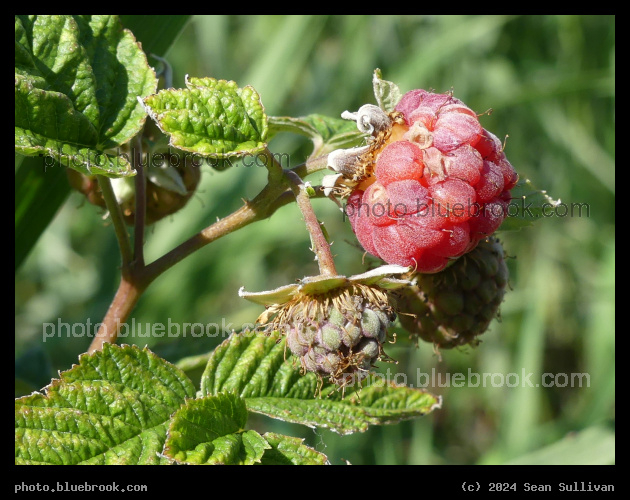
column 38, row 194
column 211, row 117
column 261, row 369
column 387, row 93
column 210, row 431
column 529, row 204
column 388, row 404
column 327, row 133
column 287, row 450
column 111, row 408
column 77, row 79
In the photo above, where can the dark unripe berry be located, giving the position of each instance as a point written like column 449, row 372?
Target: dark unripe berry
column 453, row 307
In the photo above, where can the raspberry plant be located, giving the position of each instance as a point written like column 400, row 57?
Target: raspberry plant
column 87, row 98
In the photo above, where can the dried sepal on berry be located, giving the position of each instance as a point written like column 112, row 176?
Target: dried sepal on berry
column 356, row 165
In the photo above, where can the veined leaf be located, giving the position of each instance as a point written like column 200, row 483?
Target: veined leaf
column 38, row 194
column 112, row 408
column 77, row 79
column 211, row 431
column 213, row 118
column 529, row 204
column 374, row 404
column 287, row 450
column 261, row 370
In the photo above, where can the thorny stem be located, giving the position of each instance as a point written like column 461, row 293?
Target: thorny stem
column 321, row 247
column 136, row 276
column 311, row 165
column 131, row 285
column 119, row 310
column 261, row 207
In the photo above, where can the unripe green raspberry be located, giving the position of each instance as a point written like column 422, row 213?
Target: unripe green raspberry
column 338, row 333
column 453, row 307
column 335, row 325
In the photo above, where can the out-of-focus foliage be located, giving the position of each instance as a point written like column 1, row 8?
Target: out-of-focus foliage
column 550, row 83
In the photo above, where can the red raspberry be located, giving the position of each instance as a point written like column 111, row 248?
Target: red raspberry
column 440, row 184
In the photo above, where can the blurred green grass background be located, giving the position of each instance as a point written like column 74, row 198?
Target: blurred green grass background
column 550, row 81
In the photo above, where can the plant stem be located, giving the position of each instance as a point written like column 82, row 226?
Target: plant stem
column 321, row 247
column 271, row 198
column 136, row 276
column 275, row 171
column 119, row 310
column 131, row 283
column 141, row 202
column 117, row 219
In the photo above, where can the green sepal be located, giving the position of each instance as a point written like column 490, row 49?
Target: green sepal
column 529, row 204
column 387, row 93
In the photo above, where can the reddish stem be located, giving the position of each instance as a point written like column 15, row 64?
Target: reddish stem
column 321, row 247
column 119, row 310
